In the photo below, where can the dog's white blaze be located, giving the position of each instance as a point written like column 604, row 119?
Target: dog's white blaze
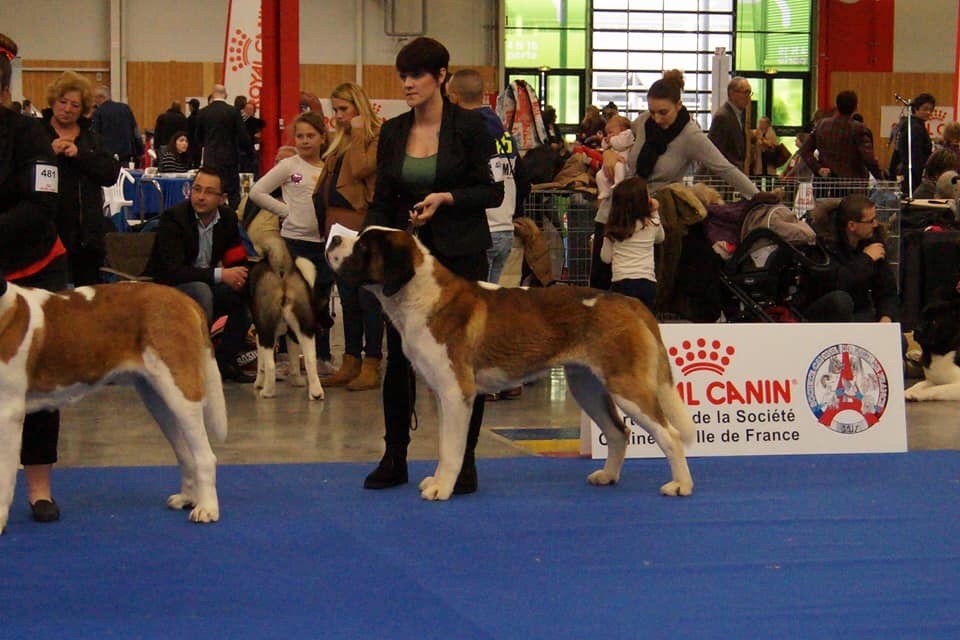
column 489, row 285
column 942, row 369
column 589, row 302
column 336, row 255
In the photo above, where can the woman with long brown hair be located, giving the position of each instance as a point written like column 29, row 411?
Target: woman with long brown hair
column 345, row 191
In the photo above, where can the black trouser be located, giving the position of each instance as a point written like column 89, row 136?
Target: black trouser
column 399, row 383
column 41, row 429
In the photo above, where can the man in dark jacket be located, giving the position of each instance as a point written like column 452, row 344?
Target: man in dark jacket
column 168, row 123
column 859, row 284
column 223, row 135
column 199, row 251
column 117, row 127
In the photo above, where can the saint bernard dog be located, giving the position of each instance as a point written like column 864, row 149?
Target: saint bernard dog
column 466, row 338
column 56, row 348
column 938, row 334
column 285, row 301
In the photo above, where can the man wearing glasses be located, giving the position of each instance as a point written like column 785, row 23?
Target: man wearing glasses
column 199, row 251
column 859, row 284
column 728, row 128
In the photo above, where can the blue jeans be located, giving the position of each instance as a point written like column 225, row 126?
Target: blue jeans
column 313, row 251
column 362, row 321
column 498, row 253
column 217, row 301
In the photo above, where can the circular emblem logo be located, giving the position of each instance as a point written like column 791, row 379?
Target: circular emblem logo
column 847, row 388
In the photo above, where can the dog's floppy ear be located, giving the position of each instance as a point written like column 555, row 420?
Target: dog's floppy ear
column 397, row 266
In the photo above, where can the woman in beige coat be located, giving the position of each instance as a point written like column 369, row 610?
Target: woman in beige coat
column 342, row 197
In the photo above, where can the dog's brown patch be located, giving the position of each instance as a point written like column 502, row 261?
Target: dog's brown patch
column 118, row 324
column 13, row 328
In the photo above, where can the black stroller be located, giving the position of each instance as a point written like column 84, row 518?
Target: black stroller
column 764, row 276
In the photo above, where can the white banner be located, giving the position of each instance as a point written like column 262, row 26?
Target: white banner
column 890, row 115
column 243, row 51
column 776, row 389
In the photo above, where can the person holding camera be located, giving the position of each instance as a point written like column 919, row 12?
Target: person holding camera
column 858, row 285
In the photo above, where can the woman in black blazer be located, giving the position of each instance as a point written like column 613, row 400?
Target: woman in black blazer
column 433, row 174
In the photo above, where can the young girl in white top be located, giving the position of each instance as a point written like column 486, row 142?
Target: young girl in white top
column 297, row 178
column 629, row 235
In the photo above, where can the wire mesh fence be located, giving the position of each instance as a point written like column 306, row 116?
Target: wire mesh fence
column 567, row 217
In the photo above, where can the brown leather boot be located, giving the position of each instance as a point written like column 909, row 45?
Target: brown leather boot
column 349, row 370
column 369, row 377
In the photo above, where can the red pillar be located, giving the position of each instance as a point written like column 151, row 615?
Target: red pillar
column 281, row 73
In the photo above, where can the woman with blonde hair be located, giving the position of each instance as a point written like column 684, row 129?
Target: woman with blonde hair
column 85, row 166
column 343, row 195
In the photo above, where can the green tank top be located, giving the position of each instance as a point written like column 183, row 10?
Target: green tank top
column 419, row 174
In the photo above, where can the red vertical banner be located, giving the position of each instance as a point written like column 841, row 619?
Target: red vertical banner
column 281, row 73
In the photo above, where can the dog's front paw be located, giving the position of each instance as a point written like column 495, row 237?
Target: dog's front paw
column 601, row 477
column 674, row 488
column 316, row 391
column 433, row 489
column 180, row 501
column 267, row 393
column 203, row 514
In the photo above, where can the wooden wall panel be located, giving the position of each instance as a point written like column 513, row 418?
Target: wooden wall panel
column 876, row 89
column 152, row 86
column 38, row 75
column 379, row 81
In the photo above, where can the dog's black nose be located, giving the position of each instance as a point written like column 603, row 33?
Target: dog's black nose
column 335, row 242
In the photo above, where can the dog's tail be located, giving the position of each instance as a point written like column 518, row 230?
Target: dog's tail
column 672, row 403
column 307, row 270
column 277, row 255
column 214, row 405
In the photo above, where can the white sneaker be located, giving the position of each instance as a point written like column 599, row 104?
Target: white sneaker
column 325, row 368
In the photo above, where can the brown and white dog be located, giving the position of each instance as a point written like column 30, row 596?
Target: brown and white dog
column 938, row 334
column 284, row 300
column 466, row 338
column 56, row 348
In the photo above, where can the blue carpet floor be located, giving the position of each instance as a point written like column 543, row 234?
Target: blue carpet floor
column 853, row 546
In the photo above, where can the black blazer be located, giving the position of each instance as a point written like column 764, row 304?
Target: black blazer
column 727, row 135
column 463, row 169
column 27, row 228
column 178, row 243
column 222, row 133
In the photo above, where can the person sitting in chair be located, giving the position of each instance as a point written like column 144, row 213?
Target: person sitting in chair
column 198, row 250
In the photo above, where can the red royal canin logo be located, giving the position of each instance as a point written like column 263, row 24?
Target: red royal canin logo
column 700, row 355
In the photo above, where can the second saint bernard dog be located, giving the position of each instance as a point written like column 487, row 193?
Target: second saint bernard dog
column 56, row 348
column 466, row 338
column 938, row 333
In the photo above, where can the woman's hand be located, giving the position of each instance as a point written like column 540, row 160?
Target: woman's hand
column 64, row 147
column 426, row 208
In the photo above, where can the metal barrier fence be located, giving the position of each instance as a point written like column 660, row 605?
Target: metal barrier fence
column 567, row 216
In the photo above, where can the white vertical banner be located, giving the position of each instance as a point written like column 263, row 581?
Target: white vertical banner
column 243, row 50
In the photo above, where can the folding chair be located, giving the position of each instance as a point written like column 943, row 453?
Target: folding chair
column 114, row 202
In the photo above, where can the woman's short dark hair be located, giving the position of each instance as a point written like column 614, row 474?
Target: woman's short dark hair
column 940, row 161
column 669, row 87
column 423, row 54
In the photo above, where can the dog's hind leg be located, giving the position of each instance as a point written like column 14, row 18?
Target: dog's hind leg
column 266, row 369
column 182, row 423
column 12, row 413
column 453, row 410
column 652, row 414
column 593, row 398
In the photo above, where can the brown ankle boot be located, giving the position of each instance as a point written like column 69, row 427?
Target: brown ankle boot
column 349, row 370
column 369, row 377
